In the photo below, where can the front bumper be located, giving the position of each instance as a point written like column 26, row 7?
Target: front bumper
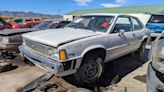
column 155, row 34
column 154, row 84
column 42, row 61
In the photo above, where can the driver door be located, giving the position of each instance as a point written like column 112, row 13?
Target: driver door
column 119, row 38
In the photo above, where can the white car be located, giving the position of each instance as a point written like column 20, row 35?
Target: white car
column 83, row 47
column 155, row 73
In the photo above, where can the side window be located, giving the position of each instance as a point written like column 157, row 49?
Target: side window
column 122, row 23
column 1, row 24
column 137, row 25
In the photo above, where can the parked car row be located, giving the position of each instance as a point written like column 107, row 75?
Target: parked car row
column 79, row 50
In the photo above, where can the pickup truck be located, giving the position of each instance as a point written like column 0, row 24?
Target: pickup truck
column 81, row 49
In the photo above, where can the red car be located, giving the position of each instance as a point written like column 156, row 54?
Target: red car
column 4, row 24
column 30, row 24
column 14, row 25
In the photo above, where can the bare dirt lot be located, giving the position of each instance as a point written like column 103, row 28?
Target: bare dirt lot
column 129, row 73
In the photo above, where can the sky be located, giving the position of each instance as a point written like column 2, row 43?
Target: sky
column 65, row 6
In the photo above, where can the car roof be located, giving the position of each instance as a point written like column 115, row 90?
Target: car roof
column 108, row 14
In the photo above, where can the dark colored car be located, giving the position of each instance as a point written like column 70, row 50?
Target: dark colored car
column 4, row 24
column 50, row 24
column 10, row 39
column 155, row 74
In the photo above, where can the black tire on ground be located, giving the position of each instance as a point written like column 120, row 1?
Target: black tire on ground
column 26, row 61
column 5, row 66
column 89, row 72
column 141, row 52
column 79, row 90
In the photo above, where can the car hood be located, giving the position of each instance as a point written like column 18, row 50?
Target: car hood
column 56, row 37
column 7, row 32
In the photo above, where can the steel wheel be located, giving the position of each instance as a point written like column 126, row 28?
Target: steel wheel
column 92, row 70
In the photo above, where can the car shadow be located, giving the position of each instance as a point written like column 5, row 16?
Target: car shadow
column 117, row 69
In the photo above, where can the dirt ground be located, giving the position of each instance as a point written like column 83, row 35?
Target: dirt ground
column 130, row 74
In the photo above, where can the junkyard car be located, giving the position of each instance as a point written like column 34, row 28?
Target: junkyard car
column 4, row 24
column 10, row 39
column 156, row 25
column 30, row 24
column 155, row 75
column 155, row 22
column 82, row 47
column 50, row 24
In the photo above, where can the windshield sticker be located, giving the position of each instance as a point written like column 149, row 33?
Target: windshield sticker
column 78, row 20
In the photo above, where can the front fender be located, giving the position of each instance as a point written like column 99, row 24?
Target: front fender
column 92, row 48
column 146, row 37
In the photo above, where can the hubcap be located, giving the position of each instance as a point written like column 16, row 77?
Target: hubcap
column 91, row 71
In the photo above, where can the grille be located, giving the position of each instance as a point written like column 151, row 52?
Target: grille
column 37, row 47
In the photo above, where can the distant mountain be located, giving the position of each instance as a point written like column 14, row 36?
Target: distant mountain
column 27, row 14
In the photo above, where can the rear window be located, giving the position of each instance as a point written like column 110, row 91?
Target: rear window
column 156, row 19
column 18, row 20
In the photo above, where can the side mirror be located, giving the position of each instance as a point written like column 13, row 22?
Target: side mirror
column 121, row 31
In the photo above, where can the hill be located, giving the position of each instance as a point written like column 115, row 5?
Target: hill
column 27, row 14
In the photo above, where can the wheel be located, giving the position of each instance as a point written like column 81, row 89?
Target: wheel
column 141, row 51
column 89, row 72
column 27, row 62
column 79, row 90
column 5, row 66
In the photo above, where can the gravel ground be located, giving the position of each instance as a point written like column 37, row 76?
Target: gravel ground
column 130, row 72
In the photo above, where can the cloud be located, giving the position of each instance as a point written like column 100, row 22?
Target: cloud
column 82, row 2
column 111, row 5
column 117, row 3
column 121, row 1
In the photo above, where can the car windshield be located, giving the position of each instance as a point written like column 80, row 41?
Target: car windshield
column 18, row 20
column 43, row 25
column 94, row 23
column 156, row 19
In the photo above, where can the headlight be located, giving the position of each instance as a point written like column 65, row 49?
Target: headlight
column 58, row 55
column 160, row 61
column 158, row 56
column 23, row 41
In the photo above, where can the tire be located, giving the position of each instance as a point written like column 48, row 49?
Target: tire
column 27, row 62
column 79, row 90
column 89, row 72
column 5, row 66
column 141, row 51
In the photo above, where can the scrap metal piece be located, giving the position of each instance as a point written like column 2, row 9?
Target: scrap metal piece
column 38, row 82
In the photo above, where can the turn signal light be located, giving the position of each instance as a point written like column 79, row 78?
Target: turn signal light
column 63, row 55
